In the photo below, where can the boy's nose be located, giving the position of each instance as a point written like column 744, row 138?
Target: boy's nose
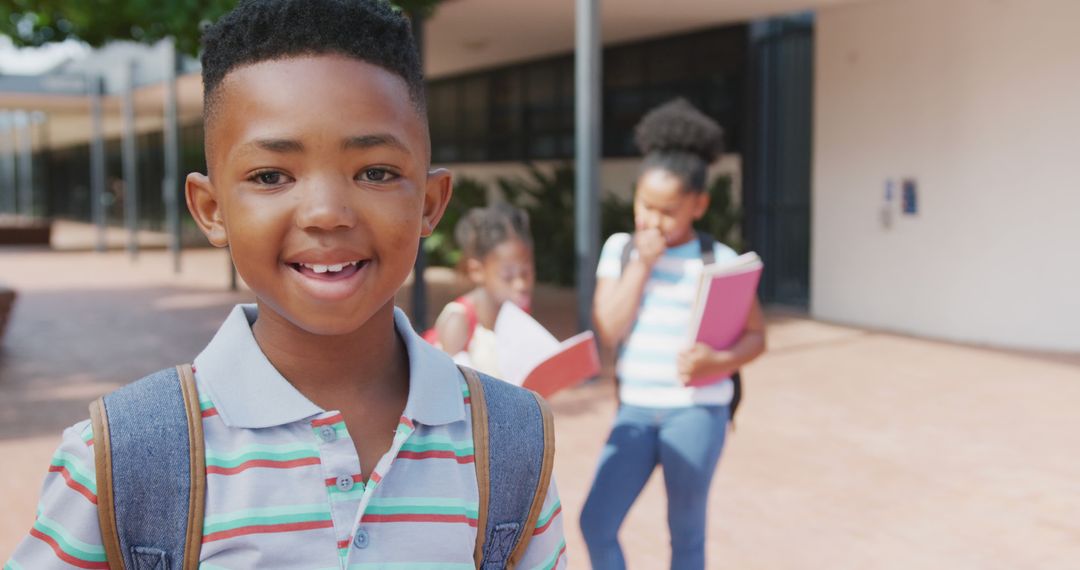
column 325, row 206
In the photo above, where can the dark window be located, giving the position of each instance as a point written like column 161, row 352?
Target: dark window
column 526, row 111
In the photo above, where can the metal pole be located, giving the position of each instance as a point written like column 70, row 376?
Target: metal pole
column 170, row 185
column 46, row 205
column 25, row 134
column 587, row 72
column 419, row 290
column 130, row 158
column 7, row 161
column 97, row 161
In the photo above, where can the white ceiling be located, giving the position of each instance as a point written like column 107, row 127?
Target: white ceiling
column 466, row 35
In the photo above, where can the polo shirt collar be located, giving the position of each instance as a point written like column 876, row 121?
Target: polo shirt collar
column 249, row 392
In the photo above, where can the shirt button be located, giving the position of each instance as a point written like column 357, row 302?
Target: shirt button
column 344, row 482
column 361, row 540
column 328, row 433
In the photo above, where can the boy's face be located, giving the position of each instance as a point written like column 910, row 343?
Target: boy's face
column 319, row 184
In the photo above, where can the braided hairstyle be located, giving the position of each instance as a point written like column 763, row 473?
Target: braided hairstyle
column 481, row 230
column 678, row 138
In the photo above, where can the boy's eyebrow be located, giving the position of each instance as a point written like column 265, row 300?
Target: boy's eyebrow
column 362, row 142
column 279, row 145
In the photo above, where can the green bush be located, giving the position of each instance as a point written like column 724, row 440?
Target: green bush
column 549, row 200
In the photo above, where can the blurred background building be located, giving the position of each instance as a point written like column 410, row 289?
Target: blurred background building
column 899, row 164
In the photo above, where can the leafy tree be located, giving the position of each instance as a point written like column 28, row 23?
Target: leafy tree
column 96, row 22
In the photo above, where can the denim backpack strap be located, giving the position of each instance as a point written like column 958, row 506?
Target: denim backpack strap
column 151, row 474
column 514, row 447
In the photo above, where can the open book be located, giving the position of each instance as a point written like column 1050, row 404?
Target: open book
column 531, row 357
column 725, row 295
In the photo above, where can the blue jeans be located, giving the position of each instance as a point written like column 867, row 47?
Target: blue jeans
column 687, row 443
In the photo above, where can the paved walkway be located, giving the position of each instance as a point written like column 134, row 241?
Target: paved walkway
column 853, row 449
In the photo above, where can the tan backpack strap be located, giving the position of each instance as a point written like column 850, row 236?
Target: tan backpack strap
column 480, row 454
column 197, row 496
column 540, row 494
column 103, row 473
column 110, row 535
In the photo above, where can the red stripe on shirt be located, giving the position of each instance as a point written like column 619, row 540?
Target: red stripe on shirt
column 332, row 481
column 420, row 518
column 436, row 454
column 59, row 552
column 548, row 524
column 268, row 463
column 266, row 529
column 77, row 486
column 327, row 421
column 209, row 412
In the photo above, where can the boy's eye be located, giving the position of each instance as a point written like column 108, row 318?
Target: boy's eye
column 377, row 175
column 269, row 177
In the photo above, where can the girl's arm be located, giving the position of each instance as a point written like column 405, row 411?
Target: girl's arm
column 701, row 361
column 452, row 328
column 616, row 302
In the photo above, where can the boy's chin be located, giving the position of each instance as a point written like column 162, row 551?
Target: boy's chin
column 332, row 321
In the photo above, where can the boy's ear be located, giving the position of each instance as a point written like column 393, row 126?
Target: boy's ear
column 436, row 197
column 701, row 205
column 202, row 202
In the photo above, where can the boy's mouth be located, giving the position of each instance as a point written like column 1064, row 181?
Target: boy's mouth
column 330, row 272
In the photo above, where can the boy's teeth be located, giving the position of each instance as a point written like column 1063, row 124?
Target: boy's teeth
column 317, row 268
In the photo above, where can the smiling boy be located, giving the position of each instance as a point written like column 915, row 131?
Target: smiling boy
column 334, row 436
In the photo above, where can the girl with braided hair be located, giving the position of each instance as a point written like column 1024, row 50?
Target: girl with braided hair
column 646, row 284
column 497, row 256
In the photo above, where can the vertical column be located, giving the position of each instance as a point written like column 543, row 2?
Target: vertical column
column 170, row 185
column 97, row 160
column 130, row 162
column 24, row 131
column 8, row 184
column 587, row 125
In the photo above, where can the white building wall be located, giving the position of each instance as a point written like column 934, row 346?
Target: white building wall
column 979, row 102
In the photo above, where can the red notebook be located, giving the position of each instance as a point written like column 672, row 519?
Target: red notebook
column 531, row 357
column 725, row 295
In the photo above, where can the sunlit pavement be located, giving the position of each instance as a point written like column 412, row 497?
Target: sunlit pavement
column 853, row 449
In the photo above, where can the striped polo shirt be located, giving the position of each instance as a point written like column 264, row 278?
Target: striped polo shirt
column 647, row 369
column 284, row 487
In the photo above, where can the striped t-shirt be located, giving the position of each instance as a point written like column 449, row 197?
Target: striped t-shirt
column 647, row 369
column 284, row 487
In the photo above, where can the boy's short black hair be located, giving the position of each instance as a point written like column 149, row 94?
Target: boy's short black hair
column 680, row 139
column 262, row 30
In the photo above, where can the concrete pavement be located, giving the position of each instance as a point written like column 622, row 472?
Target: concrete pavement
column 854, row 449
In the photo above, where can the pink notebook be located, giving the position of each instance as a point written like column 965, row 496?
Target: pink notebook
column 725, row 295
